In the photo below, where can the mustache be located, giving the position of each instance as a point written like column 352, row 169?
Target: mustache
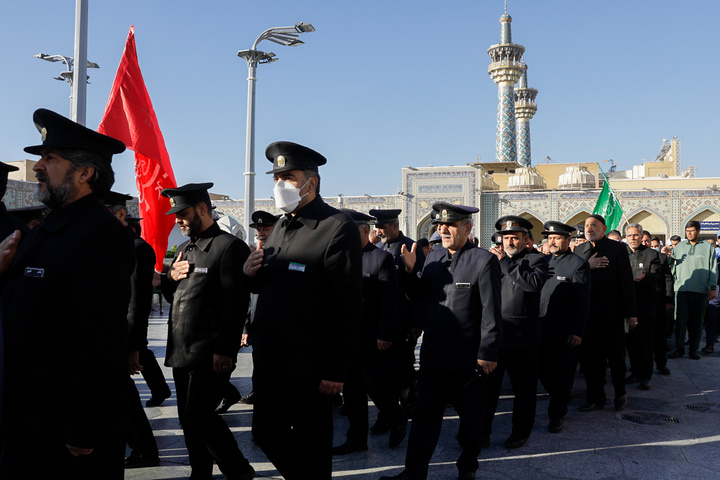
column 41, row 176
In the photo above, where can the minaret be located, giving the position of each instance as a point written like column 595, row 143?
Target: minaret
column 505, row 70
column 525, row 108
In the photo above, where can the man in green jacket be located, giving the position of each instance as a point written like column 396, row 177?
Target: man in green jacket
column 694, row 270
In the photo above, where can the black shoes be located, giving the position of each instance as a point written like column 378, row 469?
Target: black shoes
column 157, row 401
column 397, row 434
column 556, row 425
column 620, row 403
column 515, row 441
column 590, row 406
column 380, row 427
column 225, row 404
column 248, row 399
column 676, row 354
column 248, row 475
column 485, row 441
column 138, row 460
column 631, row 379
column 664, row 370
column 349, row 447
column 466, row 474
column 708, row 349
column 694, row 356
column 644, row 384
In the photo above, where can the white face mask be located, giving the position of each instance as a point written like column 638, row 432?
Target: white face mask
column 287, row 196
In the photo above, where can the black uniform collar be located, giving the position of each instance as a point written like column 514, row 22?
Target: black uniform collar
column 454, row 257
column 563, row 254
column 205, row 238
column 399, row 238
column 3, row 209
column 369, row 247
column 307, row 215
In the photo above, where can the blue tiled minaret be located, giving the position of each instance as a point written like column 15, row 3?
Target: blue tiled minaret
column 505, row 69
column 525, row 108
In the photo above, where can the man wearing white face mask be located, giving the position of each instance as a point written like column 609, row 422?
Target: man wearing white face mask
column 308, row 278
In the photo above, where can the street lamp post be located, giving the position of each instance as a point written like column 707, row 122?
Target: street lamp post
column 77, row 109
column 287, row 36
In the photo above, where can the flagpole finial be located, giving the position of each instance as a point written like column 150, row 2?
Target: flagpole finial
column 506, row 7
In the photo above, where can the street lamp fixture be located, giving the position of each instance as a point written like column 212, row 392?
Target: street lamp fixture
column 67, row 75
column 287, row 36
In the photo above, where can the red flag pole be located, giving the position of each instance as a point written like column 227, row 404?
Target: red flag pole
column 130, row 117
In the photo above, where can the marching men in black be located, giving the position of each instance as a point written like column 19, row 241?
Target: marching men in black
column 209, row 298
column 524, row 272
column 372, row 366
column 459, row 291
column 308, row 278
column 564, row 310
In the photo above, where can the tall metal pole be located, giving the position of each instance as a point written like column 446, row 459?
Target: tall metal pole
column 78, row 99
column 250, row 150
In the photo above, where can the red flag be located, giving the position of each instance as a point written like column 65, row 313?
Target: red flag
column 129, row 117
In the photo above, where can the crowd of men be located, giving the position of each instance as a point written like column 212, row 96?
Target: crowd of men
column 361, row 298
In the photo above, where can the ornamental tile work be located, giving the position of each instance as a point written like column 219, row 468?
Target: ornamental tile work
column 523, row 143
column 505, row 149
column 643, row 194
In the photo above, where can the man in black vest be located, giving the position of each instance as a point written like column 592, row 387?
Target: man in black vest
column 612, row 305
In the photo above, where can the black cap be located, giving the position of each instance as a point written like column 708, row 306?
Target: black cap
column 512, row 224
column 448, row 213
column 597, row 217
column 59, row 132
column 187, row 196
column 579, row 230
column 384, row 216
column 423, row 242
column 261, row 218
column 435, row 238
column 27, row 214
column 557, row 228
column 496, row 238
column 111, row 199
column 291, row 156
column 6, row 168
column 358, row 217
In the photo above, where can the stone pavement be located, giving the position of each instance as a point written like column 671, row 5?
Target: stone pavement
column 671, row 431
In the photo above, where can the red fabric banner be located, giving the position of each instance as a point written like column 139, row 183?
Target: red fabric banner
column 129, row 117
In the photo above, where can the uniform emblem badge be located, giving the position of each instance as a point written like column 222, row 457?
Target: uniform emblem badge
column 444, row 214
column 281, row 161
column 259, row 220
column 172, row 202
column 508, row 224
column 552, row 229
column 43, row 133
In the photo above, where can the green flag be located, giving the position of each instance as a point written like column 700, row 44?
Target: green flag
column 608, row 205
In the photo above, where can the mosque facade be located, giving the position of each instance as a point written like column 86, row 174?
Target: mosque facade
column 660, row 194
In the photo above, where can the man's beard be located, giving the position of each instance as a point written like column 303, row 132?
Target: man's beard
column 194, row 227
column 511, row 251
column 54, row 197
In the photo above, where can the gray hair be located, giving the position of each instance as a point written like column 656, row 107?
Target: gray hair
column 636, row 226
column 103, row 177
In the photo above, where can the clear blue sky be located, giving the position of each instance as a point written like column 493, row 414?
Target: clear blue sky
column 381, row 84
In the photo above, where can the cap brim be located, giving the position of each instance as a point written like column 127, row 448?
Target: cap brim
column 33, row 149
column 556, row 233
column 514, row 230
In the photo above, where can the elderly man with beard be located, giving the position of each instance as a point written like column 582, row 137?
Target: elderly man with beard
column 459, row 290
column 647, row 273
column 524, row 272
column 64, row 315
column 612, row 305
column 209, row 299
column 564, row 310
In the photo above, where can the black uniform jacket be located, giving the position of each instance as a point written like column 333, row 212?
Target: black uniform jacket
column 309, row 301
column 141, row 293
column 9, row 223
column 407, row 315
column 646, row 290
column 612, row 296
column 565, row 297
column 460, row 296
column 523, row 277
column 209, row 306
column 379, row 298
column 64, row 308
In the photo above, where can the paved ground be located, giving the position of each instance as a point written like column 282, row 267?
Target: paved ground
column 669, row 432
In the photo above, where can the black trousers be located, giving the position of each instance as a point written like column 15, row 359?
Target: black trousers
column 295, row 432
column 597, row 353
column 689, row 314
column 372, row 373
column 207, row 436
column 153, row 374
column 435, row 389
column 640, row 347
column 521, row 365
column 660, row 335
column 138, row 432
column 558, row 363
